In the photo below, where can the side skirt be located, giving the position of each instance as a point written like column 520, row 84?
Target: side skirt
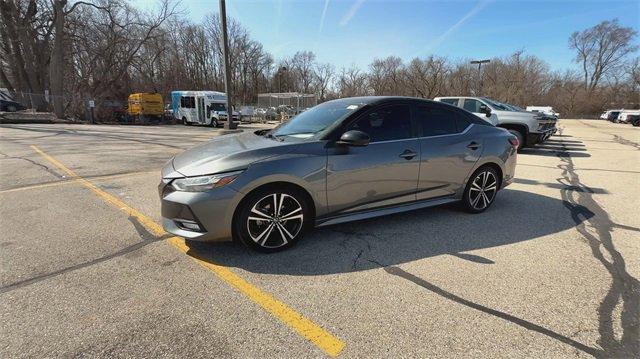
column 327, row 221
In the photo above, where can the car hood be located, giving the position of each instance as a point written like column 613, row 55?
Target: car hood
column 228, row 153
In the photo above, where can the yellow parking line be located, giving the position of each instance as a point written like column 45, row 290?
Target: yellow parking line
column 324, row 340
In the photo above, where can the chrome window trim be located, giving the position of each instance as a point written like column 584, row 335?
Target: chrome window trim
column 450, row 134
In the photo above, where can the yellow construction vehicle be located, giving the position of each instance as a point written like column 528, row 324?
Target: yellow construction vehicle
column 145, row 107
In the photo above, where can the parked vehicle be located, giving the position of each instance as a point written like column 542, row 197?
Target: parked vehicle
column 145, row 107
column 168, row 111
column 11, row 106
column 634, row 120
column 547, row 110
column 610, row 115
column 342, row 160
column 530, row 128
column 201, row 107
column 623, row 116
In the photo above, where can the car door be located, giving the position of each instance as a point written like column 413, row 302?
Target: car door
column 385, row 172
column 449, row 149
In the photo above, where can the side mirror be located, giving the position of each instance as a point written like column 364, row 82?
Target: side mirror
column 354, row 138
column 485, row 109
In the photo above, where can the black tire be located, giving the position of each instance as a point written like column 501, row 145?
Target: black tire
column 265, row 230
column 472, row 199
column 520, row 137
column 11, row 108
column 185, row 122
column 214, row 123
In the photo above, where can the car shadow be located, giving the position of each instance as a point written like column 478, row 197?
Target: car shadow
column 516, row 216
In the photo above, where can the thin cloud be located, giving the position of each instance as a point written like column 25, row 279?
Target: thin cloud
column 324, row 14
column 440, row 39
column 351, row 13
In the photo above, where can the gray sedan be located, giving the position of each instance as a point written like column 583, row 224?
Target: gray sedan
column 343, row 160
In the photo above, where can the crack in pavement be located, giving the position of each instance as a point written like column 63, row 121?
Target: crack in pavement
column 616, row 138
column 623, row 141
column 147, row 238
column 624, row 287
column 46, row 168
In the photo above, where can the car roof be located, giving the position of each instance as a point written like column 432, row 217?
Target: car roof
column 374, row 100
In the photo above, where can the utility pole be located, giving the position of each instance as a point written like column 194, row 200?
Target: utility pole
column 479, row 63
column 230, row 125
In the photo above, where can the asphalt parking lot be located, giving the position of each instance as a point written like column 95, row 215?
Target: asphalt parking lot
column 551, row 270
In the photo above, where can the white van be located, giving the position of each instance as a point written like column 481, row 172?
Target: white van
column 201, row 107
column 547, row 110
column 624, row 114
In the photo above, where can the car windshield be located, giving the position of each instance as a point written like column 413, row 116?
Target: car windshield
column 218, row 107
column 497, row 105
column 318, row 118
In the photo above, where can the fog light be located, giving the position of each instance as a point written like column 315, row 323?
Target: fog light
column 188, row 225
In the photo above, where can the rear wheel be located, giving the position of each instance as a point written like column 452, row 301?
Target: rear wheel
column 481, row 190
column 272, row 219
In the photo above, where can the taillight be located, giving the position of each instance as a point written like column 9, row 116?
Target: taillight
column 514, row 142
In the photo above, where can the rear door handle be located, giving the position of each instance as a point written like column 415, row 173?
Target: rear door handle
column 473, row 145
column 408, row 154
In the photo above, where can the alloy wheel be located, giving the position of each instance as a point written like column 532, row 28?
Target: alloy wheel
column 275, row 220
column 483, row 190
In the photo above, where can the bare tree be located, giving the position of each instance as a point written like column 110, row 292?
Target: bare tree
column 324, row 75
column 352, row 82
column 602, row 48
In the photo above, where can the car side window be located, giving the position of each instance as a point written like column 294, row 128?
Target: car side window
column 438, row 121
column 472, row 105
column 450, row 101
column 385, row 124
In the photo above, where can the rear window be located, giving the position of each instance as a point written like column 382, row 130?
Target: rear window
column 450, row 101
column 436, row 121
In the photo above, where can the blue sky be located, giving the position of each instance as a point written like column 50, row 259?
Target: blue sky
column 346, row 32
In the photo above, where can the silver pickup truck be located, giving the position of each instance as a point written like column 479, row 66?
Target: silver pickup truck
column 530, row 127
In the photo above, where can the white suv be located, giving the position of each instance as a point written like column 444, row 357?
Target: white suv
column 529, row 127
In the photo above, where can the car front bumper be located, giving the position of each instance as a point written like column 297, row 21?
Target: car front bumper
column 545, row 130
column 199, row 216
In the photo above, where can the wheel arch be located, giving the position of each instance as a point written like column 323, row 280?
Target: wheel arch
column 524, row 129
column 489, row 162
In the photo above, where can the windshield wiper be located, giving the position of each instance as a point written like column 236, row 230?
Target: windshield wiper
column 270, row 135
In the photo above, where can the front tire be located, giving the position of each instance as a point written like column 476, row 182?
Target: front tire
column 214, row 123
column 520, row 137
column 185, row 122
column 272, row 219
column 481, row 190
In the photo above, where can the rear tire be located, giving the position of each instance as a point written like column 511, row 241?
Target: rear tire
column 520, row 137
column 272, row 219
column 481, row 190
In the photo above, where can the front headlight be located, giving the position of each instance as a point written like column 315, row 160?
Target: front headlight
column 204, row 183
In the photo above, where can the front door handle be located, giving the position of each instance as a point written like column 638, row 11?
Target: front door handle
column 408, row 154
column 473, row 145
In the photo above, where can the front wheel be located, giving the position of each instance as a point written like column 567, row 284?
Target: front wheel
column 481, row 190
column 272, row 220
column 520, row 137
column 214, row 122
column 185, row 122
